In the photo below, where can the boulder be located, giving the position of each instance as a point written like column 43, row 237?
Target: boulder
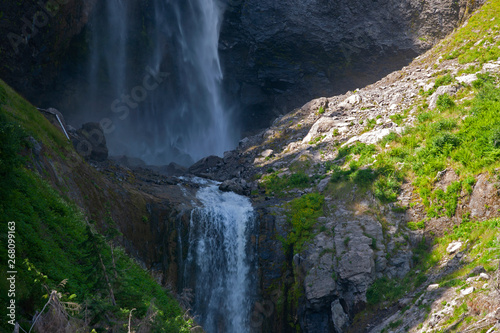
column 453, row 247
column 467, row 291
column 90, row 142
column 450, row 90
column 466, row 79
column 319, row 282
column 485, row 192
column 322, row 125
column 350, row 101
column 373, row 137
column 128, row 162
column 173, row 169
column 432, row 287
column 236, row 185
column 207, row 166
column 267, row 153
column 323, row 184
column 477, row 271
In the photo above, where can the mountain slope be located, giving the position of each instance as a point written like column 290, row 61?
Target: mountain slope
column 397, row 171
column 80, row 276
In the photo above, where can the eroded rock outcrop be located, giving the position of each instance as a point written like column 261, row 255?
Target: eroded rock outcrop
column 279, row 54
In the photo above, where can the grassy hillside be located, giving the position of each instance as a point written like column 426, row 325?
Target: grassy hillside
column 97, row 287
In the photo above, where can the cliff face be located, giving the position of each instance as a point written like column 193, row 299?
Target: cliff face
column 280, row 54
column 35, row 39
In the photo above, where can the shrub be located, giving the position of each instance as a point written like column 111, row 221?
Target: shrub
column 398, row 118
column 391, row 137
column 445, row 102
column 446, row 124
column 299, row 179
column 443, row 81
column 482, row 80
column 386, row 188
column 423, row 117
column 495, row 138
column 384, row 289
column 363, row 177
column 445, row 203
column 416, row 225
column 337, row 174
column 445, row 141
column 276, row 185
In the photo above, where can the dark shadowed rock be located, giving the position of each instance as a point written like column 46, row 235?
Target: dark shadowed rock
column 129, row 162
column 173, row 169
column 279, row 54
column 476, row 271
column 207, row 166
column 236, row 185
column 90, row 142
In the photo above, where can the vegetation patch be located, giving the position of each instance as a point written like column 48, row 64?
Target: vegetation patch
column 278, row 185
column 475, row 42
column 302, row 214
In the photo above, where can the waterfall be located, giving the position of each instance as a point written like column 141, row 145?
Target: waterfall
column 154, row 77
column 219, row 261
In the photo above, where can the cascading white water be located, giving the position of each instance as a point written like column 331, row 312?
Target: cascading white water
column 184, row 117
column 219, row 261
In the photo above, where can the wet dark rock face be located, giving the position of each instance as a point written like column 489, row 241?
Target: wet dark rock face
column 35, row 38
column 280, row 54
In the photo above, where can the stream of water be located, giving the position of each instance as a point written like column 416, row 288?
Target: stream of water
column 219, row 263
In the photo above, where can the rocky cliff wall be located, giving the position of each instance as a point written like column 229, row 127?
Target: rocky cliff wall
column 34, row 40
column 280, row 54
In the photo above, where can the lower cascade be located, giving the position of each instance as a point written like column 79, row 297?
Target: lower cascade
column 220, row 259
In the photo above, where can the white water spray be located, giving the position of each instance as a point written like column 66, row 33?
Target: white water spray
column 185, row 118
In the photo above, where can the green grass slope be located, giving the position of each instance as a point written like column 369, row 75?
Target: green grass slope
column 56, row 249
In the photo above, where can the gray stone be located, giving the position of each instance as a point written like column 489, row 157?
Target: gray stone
column 339, row 317
column 467, row 79
column 483, row 193
column 236, row 185
column 454, row 247
column 323, row 184
column 450, row 90
column 283, row 52
column 319, row 282
column 467, row 291
column 267, row 153
column 490, row 67
column 207, row 166
column 373, row 137
column 90, row 142
column 322, row 125
column 432, row 287
column 476, row 271
column 128, row 162
column 350, row 101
